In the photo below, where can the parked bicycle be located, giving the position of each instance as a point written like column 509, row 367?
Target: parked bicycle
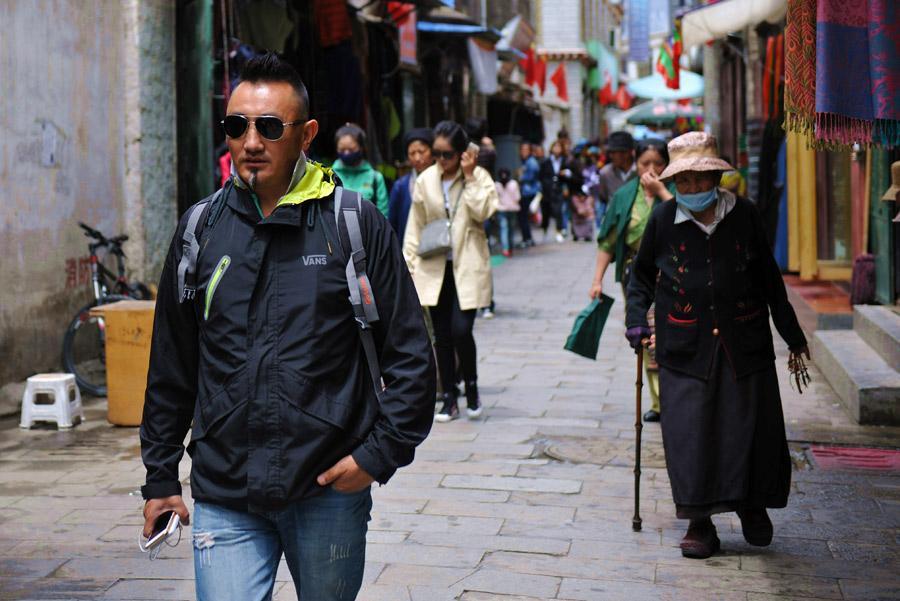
column 84, row 343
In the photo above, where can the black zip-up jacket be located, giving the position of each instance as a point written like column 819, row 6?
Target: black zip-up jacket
column 710, row 289
column 267, row 363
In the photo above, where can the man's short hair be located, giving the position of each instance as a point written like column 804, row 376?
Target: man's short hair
column 268, row 68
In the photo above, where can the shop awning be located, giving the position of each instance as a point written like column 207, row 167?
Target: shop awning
column 718, row 20
column 460, row 29
column 579, row 55
column 447, row 21
column 654, row 87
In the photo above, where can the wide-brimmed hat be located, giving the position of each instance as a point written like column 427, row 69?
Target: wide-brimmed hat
column 619, row 140
column 694, row 151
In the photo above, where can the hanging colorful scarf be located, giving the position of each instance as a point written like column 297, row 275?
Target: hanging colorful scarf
column 800, row 66
column 884, row 69
column 857, row 73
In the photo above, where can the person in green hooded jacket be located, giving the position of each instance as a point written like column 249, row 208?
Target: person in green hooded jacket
column 355, row 171
column 623, row 229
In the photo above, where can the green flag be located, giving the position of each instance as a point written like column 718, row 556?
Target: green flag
column 585, row 337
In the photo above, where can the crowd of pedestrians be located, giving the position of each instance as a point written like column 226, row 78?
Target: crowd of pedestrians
column 298, row 399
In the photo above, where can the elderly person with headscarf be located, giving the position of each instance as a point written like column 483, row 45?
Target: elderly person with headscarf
column 704, row 259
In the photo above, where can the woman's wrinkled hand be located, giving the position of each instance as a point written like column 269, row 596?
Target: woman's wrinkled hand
column 596, row 290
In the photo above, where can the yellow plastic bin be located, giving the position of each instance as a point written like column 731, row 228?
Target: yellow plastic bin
column 129, row 328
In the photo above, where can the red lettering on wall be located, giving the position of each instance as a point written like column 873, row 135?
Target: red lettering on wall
column 78, row 272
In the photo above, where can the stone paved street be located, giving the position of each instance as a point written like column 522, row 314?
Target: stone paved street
column 490, row 510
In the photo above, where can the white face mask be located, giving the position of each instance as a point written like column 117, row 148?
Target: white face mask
column 696, row 202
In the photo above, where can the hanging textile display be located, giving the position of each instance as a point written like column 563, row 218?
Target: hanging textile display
column 483, row 59
column 841, row 70
column 800, row 66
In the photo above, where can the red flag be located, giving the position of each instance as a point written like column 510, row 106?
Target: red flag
column 528, row 66
column 606, row 95
column 624, row 100
column 400, row 11
column 559, row 80
column 540, row 73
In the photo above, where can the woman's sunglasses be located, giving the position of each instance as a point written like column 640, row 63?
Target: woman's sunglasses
column 270, row 128
column 444, row 154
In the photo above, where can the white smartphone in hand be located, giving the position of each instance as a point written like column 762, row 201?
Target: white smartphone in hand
column 165, row 526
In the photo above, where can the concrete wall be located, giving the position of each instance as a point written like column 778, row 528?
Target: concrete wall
column 87, row 115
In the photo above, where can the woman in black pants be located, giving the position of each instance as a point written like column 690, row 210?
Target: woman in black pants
column 455, row 283
column 560, row 177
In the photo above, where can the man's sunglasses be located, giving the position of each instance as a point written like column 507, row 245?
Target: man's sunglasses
column 444, row 154
column 270, row 128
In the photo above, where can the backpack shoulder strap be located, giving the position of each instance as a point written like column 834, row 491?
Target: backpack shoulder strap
column 362, row 298
column 200, row 215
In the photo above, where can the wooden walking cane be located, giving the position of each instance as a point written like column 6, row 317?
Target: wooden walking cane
column 638, row 426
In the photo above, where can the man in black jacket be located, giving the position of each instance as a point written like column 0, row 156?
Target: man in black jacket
column 265, row 365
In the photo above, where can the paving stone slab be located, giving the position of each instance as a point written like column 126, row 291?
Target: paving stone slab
column 575, row 567
column 698, row 577
column 434, row 523
column 424, row 555
column 868, row 590
column 582, row 589
column 525, row 544
column 510, row 483
column 510, row 583
column 138, row 588
column 410, row 575
column 371, row 592
column 544, row 514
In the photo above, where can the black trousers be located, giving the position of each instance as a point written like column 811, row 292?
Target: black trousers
column 724, row 440
column 453, row 337
column 551, row 206
column 525, row 217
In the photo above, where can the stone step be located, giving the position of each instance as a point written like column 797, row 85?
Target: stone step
column 880, row 328
column 868, row 386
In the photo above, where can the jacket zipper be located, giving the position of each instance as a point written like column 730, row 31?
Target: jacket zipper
column 220, row 270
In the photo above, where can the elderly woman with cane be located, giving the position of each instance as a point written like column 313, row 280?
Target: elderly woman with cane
column 705, row 261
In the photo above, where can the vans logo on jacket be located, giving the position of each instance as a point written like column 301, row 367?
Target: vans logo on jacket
column 314, row 260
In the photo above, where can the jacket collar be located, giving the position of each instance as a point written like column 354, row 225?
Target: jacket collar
column 309, row 181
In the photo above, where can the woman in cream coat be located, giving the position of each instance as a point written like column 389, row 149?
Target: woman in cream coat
column 454, row 286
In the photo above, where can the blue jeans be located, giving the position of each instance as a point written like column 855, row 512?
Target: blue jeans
column 236, row 553
column 507, row 223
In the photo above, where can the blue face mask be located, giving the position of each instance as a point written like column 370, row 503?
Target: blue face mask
column 351, row 159
column 696, row 202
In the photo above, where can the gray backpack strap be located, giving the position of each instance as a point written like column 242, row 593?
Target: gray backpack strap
column 362, row 297
column 187, row 267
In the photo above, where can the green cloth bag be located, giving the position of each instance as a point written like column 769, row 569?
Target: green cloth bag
column 585, row 337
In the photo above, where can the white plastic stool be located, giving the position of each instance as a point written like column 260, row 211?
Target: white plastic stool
column 66, row 400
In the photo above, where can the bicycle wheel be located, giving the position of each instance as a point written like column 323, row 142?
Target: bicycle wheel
column 139, row 291
column 84, row 348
